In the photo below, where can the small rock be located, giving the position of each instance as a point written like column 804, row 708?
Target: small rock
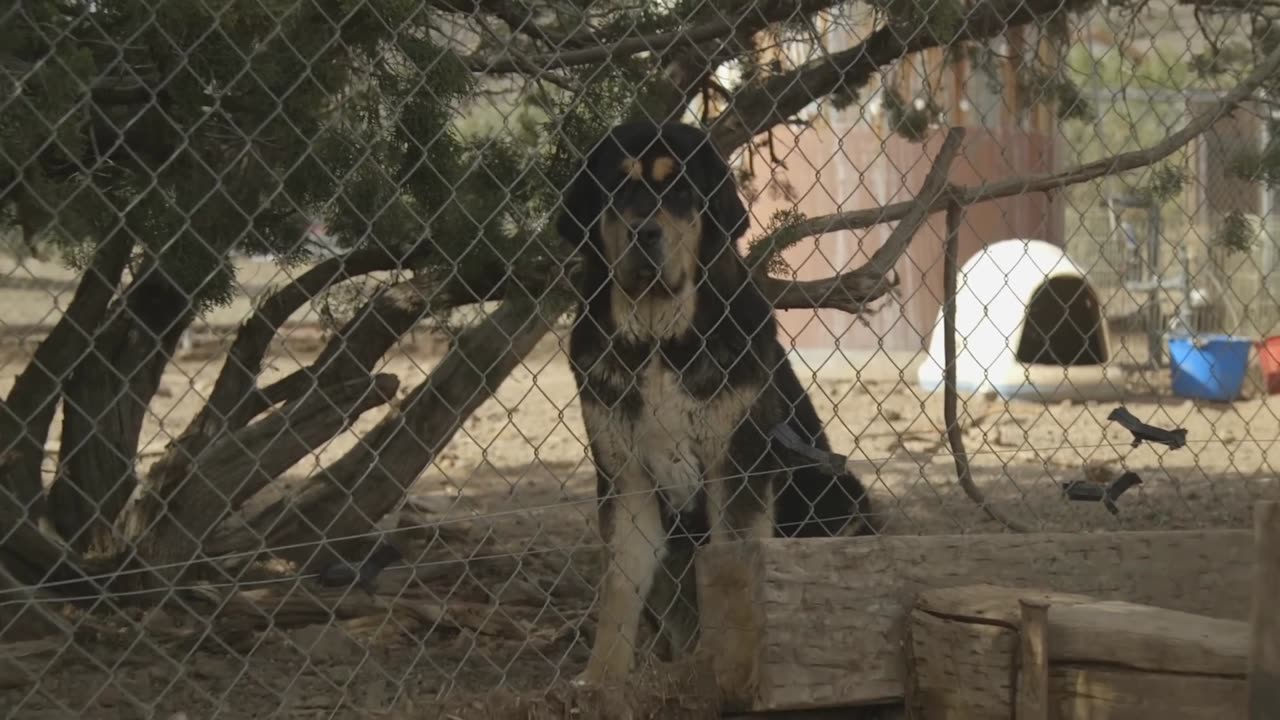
column 1009, row 435
column 521, row 592
column 323, row 642
column 209, row 667
column 110, row 696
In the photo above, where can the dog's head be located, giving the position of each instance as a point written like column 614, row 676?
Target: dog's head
column 657, row 204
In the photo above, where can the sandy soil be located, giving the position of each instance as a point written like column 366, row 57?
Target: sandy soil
column 508, row 553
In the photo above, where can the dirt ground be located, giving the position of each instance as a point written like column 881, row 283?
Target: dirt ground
column 502, row 554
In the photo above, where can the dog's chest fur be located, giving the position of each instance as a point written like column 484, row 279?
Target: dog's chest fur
column 651, row 431
column 673, row 438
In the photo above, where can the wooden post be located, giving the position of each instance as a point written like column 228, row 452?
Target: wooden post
column 1264, row 645
column 819, row 635
column 1033, row 661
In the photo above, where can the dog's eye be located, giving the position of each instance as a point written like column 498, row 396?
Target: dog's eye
column 678, row 192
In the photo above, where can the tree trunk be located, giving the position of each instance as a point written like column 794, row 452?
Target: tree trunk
column 27, row 413
column 378, row 325
column 107, row 399
column 231, row 395
column 169, row 532
column 234, row 401
column 184, row 485
column 35, row 557
column 349, row 497
column 23, row 616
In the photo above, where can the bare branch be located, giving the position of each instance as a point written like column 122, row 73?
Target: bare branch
column 236, row 382
column 520, row 18
column 28, row 411
column 758, row 107
column 392, row 455
column 851, row 291
column 35, row 556
column 1223, row 6
column 378, row 324
column 169, row 529
column 752, row 15
column 955, row 434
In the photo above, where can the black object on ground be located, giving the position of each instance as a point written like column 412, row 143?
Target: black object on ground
column 340, row 573
column 1085, row 491
column 1175, row 438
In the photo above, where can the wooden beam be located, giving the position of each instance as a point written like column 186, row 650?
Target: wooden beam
column 1122, row 694
column 1264, row 646
column 969, row 647
column 794, row 624
column 1033, row 661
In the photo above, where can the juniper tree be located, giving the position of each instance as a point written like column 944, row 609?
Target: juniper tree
column 146, row 143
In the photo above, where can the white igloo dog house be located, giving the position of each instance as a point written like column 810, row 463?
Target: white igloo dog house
column 1029, row 326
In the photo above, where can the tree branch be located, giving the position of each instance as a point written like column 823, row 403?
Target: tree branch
column 520, row 18
column 349, row 496
column 756, row 108
column 852, row 290
column 955, row 434
column 169, row 531
column 752, row 15
column 378, row 325
column 236, row 383
column 34, row 556
column 690, row 68
column 107, row 396
column 28, row 411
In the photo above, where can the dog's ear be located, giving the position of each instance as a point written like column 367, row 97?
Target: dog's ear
column 580, row 206
column 721, row 190
column 727, row 209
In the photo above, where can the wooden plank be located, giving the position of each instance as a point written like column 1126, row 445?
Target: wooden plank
column 21, row 663
column 1148, row 638
column 24, row 616
column 828, row 616
column 1115, row 694
column 1264, row 620
column 962, row 650
column 960, row 670
column 976, row 626
column 1033, row 661
column 987, row 603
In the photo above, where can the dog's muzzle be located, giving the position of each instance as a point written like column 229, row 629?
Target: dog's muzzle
column 647, row 255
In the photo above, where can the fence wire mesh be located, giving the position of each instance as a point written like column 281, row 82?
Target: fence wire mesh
column 289, row 421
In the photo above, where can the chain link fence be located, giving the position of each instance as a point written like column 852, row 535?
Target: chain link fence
column 288, row 424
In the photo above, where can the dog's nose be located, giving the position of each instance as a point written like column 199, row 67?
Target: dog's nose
column 649, row 238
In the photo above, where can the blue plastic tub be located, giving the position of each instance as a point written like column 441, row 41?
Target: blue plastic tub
column 1209, row 367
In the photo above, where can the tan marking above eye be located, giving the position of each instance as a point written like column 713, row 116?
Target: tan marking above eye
column 663, row 169
column 631, row 168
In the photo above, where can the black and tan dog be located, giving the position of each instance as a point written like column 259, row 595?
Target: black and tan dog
column 682, row 380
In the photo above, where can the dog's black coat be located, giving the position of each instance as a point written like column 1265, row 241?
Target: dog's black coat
column 731, row 342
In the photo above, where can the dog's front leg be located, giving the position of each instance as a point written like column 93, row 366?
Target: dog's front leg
column 737, row 509
column 632, row 524
column 673, row 601
column 740, row 508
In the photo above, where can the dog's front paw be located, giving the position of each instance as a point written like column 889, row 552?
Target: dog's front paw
column 587, row 679
column 596, row 675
